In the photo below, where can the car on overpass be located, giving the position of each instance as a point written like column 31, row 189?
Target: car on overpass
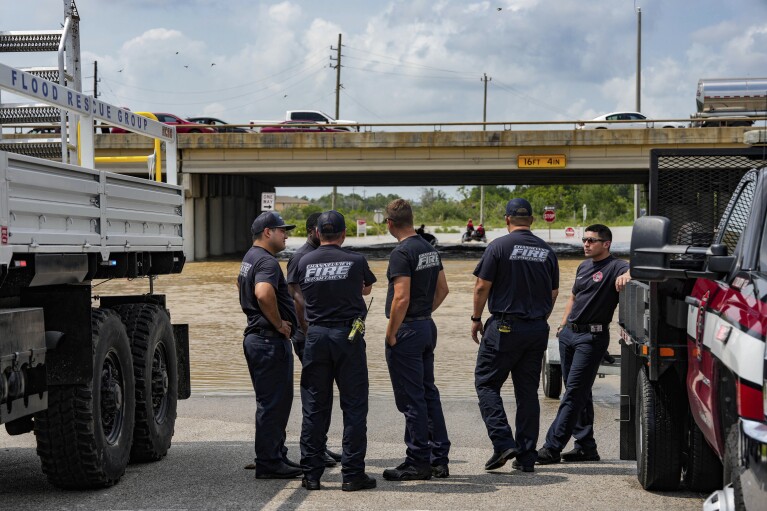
column 626, row 120
column 219, row 125
column 182, row 125
column 302, row 126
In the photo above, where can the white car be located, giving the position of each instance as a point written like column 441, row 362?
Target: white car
column 628, row 120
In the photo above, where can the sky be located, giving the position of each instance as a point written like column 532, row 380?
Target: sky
column 404, row 61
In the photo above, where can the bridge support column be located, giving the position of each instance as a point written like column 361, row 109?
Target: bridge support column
column 229, row 227
column 201, row 228
column 245, row 216
column 216, row 225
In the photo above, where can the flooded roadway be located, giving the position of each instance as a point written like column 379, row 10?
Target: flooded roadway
column 205, row 297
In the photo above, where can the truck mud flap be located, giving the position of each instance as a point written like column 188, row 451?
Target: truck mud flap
column 630, row 366
column 181, row 333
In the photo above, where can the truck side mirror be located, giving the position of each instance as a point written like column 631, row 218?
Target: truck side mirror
column 648, row 238
column 718, row 260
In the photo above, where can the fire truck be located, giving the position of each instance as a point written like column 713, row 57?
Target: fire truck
column 693, row 325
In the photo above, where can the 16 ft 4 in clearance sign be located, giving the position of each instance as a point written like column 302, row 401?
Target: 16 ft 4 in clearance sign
column 541, row 161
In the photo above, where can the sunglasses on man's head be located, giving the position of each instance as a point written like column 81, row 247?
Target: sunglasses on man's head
column 591, row 240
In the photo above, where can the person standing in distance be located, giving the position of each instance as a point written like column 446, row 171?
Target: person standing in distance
column 333, row 281
column 299, row 336
column 583, row 339
column 265, row 300
column 518, row 277
column 417, row 286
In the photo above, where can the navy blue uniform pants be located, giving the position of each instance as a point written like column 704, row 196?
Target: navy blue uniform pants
column 519, row 353
column 411, row 368
column 328, row 357
column 270, row 362
column 580, row 354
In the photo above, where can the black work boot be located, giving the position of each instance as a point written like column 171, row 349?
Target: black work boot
column 547, row 456
column 579, row 454
column 407, row 472
column 499, row 458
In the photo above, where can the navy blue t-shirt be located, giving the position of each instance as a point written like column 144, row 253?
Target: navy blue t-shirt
column 594, row 290
column 524, row 270
column 331, row 280
column 259, row 265
column 296, row 258
column 414, row 257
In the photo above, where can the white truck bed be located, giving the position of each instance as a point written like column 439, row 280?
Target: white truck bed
column 49, row 207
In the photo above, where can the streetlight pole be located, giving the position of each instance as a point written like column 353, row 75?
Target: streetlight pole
column 638, row 94
column 485, row 79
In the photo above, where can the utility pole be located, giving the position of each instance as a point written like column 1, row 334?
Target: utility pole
column 338, row 102
column 638, row 94
column 96, row 79
column 639, row 61
column 485, row 79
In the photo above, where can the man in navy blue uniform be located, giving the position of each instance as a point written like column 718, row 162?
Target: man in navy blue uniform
column 299, row 335
column 271, row 315
column 518, row 277
column 583, row 340
column 333, row 281
column 417, row 286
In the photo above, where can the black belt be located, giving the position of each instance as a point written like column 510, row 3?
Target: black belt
column 582, row 328
column 332, row 324
column 265, row 332
column 501, row 315
column 410, row 319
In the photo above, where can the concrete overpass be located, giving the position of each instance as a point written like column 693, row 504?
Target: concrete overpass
column 225, row 174
column 424, row 158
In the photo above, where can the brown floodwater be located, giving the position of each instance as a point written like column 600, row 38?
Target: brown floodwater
column 205, row 297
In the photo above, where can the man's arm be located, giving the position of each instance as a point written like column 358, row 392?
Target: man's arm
column 622, row 280
column 481, row 292
column 399, row 304
column 298, row 300
column 554, row 295
column 267, row 302
column 568, row 308
column 441, row 291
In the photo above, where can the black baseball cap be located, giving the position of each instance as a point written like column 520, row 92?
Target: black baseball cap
column 271, row 220
column 518, row 207
column 331, row 222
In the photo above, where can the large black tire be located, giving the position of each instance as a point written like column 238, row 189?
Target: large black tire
column 732, row 468
column 84, row 437
column 552, row 380
column 658, row 433
column 701, row 467
column 156, row 371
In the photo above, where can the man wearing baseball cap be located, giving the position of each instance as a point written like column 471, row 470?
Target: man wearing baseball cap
column 271, row 317
column 518, row 277
column 333, row 281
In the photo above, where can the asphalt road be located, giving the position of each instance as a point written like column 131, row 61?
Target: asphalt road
column 213, row 442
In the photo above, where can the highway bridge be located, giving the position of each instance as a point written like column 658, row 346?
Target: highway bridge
column 224, row 174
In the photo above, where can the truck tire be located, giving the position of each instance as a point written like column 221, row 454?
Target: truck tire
column 156, row 372
column 732, row 468
column 84, row 437
column 701, row 467
column 552, row 380
column 658, row 433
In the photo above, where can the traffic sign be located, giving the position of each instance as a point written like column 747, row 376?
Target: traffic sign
column 378, row 217
column 569, row 232
column 550, row 215
column 267, row 201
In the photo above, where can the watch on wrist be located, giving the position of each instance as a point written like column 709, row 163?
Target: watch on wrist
column 477, row 319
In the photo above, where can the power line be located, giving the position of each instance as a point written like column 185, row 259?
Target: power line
column 402, row 62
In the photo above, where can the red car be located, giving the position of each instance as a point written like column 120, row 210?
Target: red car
column 182, row 125
column 302, row 126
